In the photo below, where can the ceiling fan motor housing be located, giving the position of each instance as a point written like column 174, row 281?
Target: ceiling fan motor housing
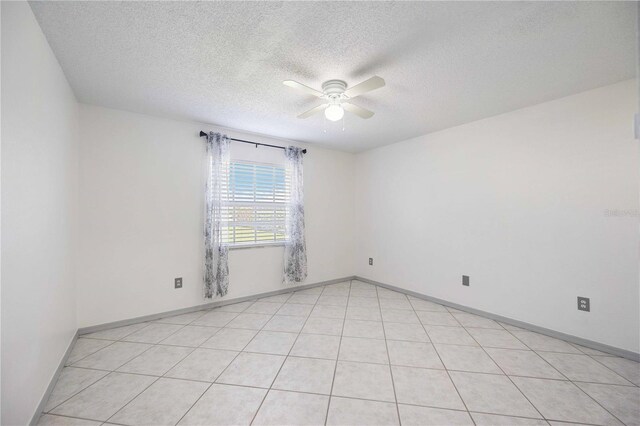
column 334, row 89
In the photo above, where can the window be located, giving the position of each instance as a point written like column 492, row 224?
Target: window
column 254, row 204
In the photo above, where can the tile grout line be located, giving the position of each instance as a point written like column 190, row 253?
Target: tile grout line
column 132, row 399
column 367, row 399
column 72, row 417
column 146, row 350
column 581, row 353
column 286, row 356
column 386, row 345
column 568, row 353
column 535, row 352
column 442, row 362
column 71, row 365
column 234, row 358
column 335, row 370
column 568, row 379
column 160, row 377
column 80, row 359
column 109, row 371
column 372, row 363
column 151, row 346
column 74, row 394
column 88, row 336
column 527, row 398
column 496, row 364
column 113, row 341
column 612, row 370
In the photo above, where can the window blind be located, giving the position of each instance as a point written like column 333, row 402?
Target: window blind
column 254, row 203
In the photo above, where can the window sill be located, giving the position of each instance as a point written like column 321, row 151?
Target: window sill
column 250, row 246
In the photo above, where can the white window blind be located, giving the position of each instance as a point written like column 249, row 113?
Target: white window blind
column 254, row 204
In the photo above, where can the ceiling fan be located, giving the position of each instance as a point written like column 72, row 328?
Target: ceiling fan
column 337, row 95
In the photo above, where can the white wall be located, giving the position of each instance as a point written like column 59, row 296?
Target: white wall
column 39, row 213
column 517, row 202
column 141, row 195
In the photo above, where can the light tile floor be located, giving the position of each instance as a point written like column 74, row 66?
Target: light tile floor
column 343, row 354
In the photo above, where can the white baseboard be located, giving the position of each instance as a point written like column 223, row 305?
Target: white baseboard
column 152, row 317
column 624, row 353
column 47, row 393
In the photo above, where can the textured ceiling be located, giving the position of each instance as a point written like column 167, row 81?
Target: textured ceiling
column 445, row 63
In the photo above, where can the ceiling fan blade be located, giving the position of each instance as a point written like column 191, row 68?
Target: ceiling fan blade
column 300, row 86
column 373, row 83
column 312, row 111
column 359, row 111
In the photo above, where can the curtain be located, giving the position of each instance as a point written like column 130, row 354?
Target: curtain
column 216, row 270
column 295, row 249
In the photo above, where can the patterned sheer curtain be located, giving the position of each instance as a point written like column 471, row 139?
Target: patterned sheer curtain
column 295, row 249
column 216, row 267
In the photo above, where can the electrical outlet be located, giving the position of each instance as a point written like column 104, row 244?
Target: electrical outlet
column 584, row 304
column 177, row 282
column 465, row 280
column 371, row 261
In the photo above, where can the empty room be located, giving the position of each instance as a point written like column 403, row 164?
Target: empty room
column 307, row 213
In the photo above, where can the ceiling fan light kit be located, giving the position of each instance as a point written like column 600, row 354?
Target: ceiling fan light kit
column 334, row 90
column 338, row 96
column 334, row 112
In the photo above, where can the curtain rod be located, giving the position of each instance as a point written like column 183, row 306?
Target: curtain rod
column 304, row 151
